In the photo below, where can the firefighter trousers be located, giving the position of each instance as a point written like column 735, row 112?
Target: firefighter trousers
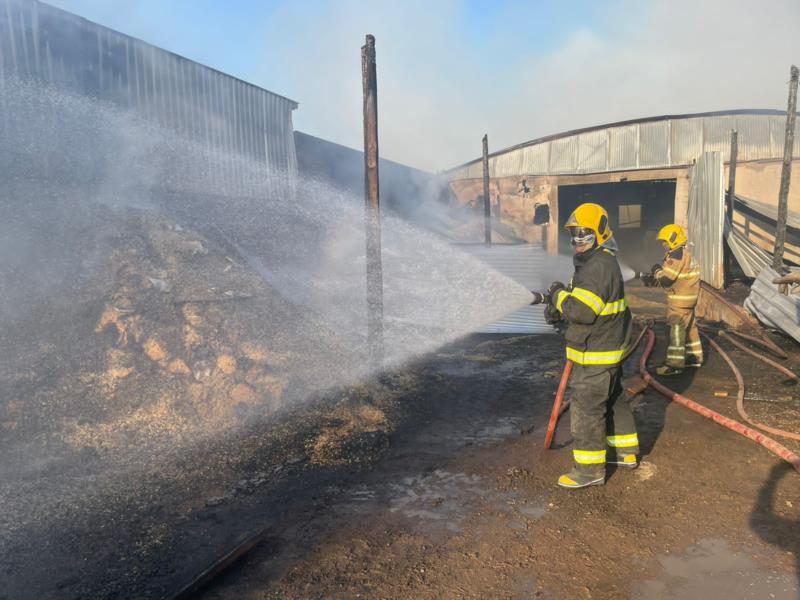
column 684, row 346
column 601, row 418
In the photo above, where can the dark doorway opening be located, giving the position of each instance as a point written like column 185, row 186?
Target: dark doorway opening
column 636, row 210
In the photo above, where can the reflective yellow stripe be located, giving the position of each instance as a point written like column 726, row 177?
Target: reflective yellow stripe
column 689, row 275
column 589, row 457
column 694, row 344
column 679, row 297
column 670, row 272
column 613, row 308
column 623, row 441
column 694, row 352
column 562, row 295
column 590, row 299
column 595, row 358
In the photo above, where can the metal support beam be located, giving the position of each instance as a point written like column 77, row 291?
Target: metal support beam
column 369, row 81
column 487, row 208
column 729, row 207
column 786, row 173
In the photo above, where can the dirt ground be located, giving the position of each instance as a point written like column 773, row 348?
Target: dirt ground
column 461, row 504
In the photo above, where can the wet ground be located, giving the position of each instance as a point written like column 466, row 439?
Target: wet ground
column 464, row 506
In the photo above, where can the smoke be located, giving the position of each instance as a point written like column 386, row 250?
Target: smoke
column 450, row 71
column 519, row 71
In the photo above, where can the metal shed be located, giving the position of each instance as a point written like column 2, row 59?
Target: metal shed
column 44, row 43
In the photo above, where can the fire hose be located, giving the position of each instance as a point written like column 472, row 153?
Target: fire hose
column 761, row 357
column 557, row 411
column 740, row 393
column 759, row 438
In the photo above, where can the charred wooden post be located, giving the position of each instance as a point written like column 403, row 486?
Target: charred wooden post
column 731, row 201
column 372, row 205
column 786, row 173
column 487, row 205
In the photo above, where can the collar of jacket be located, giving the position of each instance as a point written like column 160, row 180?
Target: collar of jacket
column 676, row 253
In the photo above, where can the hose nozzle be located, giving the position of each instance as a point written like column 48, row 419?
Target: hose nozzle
column 540, row 298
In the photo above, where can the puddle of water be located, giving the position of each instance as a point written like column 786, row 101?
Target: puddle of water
column 712, row 571
column 496, row 431
column 441, row 496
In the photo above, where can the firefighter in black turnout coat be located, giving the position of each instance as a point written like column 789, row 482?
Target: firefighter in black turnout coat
column 597, row 320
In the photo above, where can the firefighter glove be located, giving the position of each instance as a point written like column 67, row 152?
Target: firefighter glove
column 648, row 280
column 551, row 315
column 553, row 290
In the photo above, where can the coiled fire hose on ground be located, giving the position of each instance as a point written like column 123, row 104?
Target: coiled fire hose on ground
column 740, row 394
column 759, row 438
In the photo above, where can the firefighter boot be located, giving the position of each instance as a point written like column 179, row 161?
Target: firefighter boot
column 676, row 351
column 626, row 461
column 578, row 479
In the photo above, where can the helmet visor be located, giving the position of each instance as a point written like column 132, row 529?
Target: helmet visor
column 581, row 236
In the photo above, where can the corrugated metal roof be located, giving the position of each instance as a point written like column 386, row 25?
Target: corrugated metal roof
column 773, row 308
column 750, row 257
column 655, row 143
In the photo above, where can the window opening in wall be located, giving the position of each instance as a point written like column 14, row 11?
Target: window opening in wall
column 630, row 216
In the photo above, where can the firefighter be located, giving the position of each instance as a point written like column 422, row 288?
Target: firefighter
column 597, row 322
column 679, row 275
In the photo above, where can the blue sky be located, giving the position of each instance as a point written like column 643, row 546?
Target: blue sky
column 451, row 70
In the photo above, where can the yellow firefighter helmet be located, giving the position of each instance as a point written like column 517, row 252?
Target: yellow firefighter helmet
column 589, row 216
column 672, row 235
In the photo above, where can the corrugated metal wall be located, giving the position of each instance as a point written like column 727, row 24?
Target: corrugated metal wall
column 40, row 42
column 526, row 265
column 662, row 143
column 707, row 209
